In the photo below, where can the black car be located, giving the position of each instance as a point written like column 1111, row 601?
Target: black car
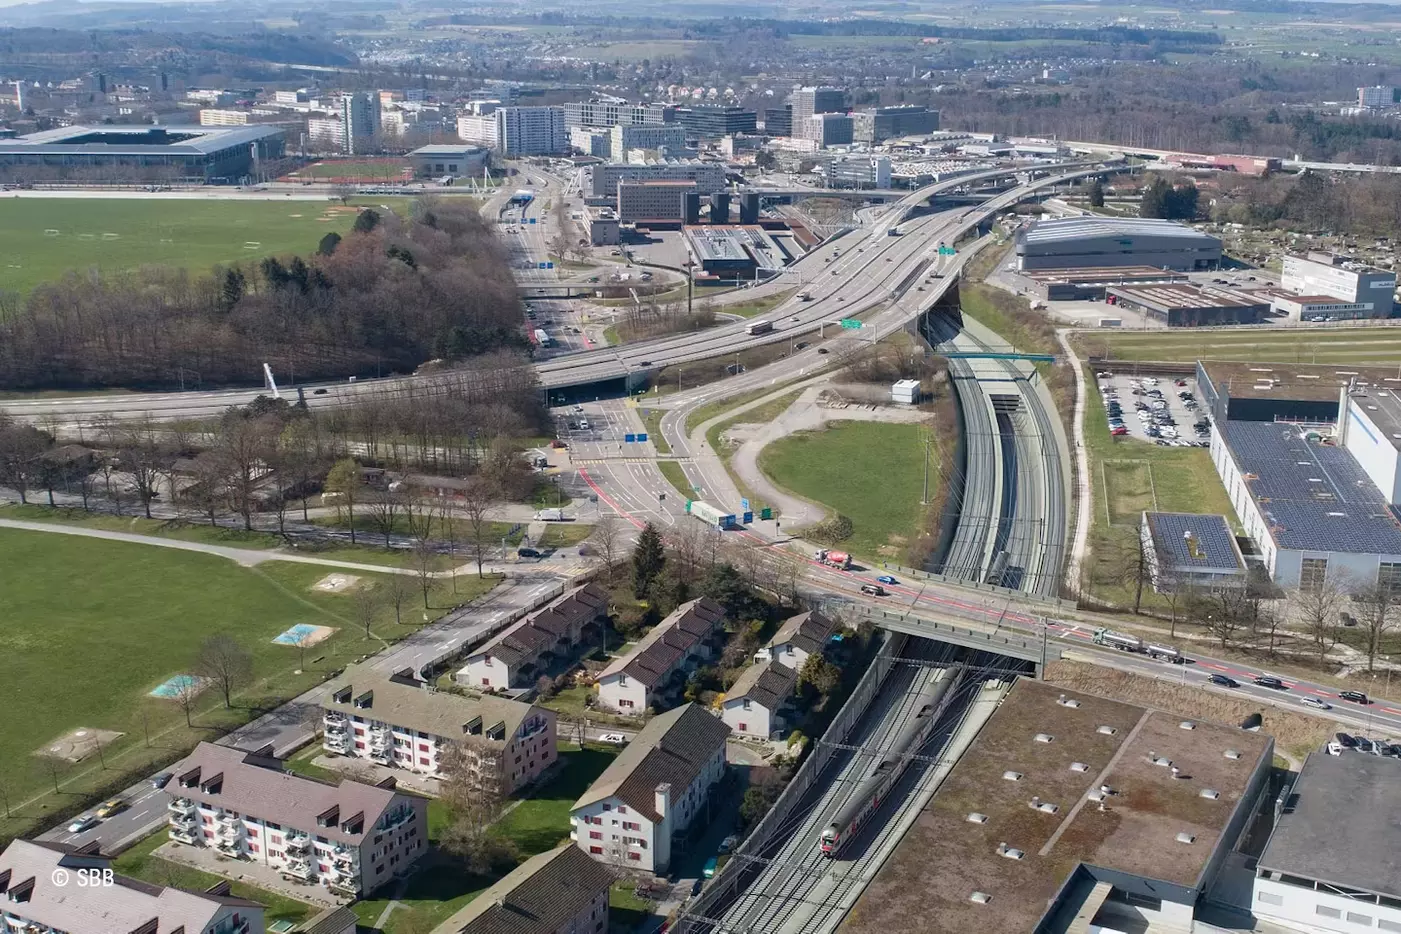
column 1224, row 681
column 1364, row 744
column 1265, row 681
column 1346, row 740
column 1357, row 697
column 161, row 780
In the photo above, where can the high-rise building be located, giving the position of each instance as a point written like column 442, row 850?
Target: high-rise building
column 714, row 122
column 601, row 181
column 820, row 100
column 531, row 131
column 828, row 129
column 778, row 121
column 882, row 123
column 655, row 201
column 477, row 128
column 658, row 136
column 617, row 113
column 591, row 141
column 349, row 120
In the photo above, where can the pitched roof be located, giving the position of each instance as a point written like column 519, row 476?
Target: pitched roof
column 332, row 921
column 116, row 909
column 231, row 778
column 537, row 897
column 672, row 748
column 653, row 658
column 767, row 684
column 542, row 629
column 808, row 631
column 369, row 694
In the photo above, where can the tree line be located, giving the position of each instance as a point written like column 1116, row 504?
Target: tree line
column 390, row 295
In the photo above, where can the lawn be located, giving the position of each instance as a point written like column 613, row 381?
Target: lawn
column 676, row 476
column 758, row 306
column 41, row 238
column 541, row 822
column 1128, row 491
column 103, row 623
column 138, row 863
column 652, row 421
column 870, row 472
column 366, row 170
column 1347, row 345
column 756, row 416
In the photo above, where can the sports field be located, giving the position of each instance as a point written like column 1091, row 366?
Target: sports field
column 41, row 238
column 1354, row 345
column 356, row 170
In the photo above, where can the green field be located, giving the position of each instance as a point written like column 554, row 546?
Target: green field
column 41, row 238
column 870, row 472
column 1273, row 345
column 370, row 169
column 92, row 626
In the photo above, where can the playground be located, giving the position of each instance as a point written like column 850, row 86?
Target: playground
column 304, row 635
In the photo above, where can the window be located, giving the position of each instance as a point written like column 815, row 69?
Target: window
column 253, row 848
column 1356, row 918
column 1389, row 576
column 595, row 835
column 422, row 747
column 1312, row 573
column 596, row 850
column 486, row 682
column 1323, row 911
column 1386, row 925
column 747, row 704
column 422, row 760
column 625, row 703
column 1269, row 898
column 607, row 806
column 635, row 857
column 744, row 728
column 622, row 809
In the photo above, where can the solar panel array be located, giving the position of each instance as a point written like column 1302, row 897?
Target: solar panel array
column 1215, row 545
column 1315, row 496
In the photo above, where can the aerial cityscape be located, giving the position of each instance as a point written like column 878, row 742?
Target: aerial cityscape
column 560, row 467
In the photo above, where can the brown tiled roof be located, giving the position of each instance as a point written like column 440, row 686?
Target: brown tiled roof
column 542, row 629
column 672, row 748
column 538, row 897
column 653, row 658
column 808, row 631
column 450, row 716
column 767, row 684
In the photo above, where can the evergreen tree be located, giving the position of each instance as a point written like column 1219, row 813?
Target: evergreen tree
column 1155, row 198
column 367, row 221
column 234, row 286
column 1096, row 194
column 648, row 559
column 329, row 243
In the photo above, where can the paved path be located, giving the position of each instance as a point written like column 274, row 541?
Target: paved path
column 1083, row 499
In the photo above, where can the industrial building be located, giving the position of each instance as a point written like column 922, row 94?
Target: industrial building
column 735, row 251
column 601, row 181
column 1381, row 95
column 882, row 123
column 1264, row 392
column 655, row 201
column 195, row 153
column 714, row 122
column 1090, row 284
column 1182, row 305
column 443, row 159
column 1072, row 812
column 1325, row 276
column 602, row 226
column 601, row 113
column 1185, row 550
column 1067, row 242
column 858, row 171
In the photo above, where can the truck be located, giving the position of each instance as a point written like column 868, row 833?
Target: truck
column 1166, row 653
column 894, row 231
column 832, row 559
column 1111, row 322
column 549, row 515
column 804, row 296
column 1118, row 640
column 758, row 327
column 711, row 516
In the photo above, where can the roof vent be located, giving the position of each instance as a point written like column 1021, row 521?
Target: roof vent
column 1067, row 701
column 982, row 898
column 975, row 818
column 1044, row 806
column 1096, row 795
column 1079, row 767
column 1162, row 761
column 1044, row 737
column 1185, row 837
column 1186, row 725
column 1209, row 793
column 1106, row 729
column 1012, row 776
column 1232, row 754
column 1010, row 852
column 1108, row 789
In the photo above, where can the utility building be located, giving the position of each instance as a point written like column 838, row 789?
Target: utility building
column 1365, row 292
column 1097, row 241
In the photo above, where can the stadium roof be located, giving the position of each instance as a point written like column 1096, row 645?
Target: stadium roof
column 1062, row 229
column 137, row 140
column 1315, row 497
column 1211, row 546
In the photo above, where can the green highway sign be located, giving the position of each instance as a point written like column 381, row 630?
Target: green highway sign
column 851, row 324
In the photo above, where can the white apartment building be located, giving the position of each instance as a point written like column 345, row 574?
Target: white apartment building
column 859, row 172
column 798, row 638
column 591, row 141
column 539, row 642
column 477, row 128
column 212, row 117
column 601, row 181
column 531, row 131
column 658, row 664
column 652, row 792
column 754, row 704
column 34, row 900
column 816, row 100
column 350, row 838
column 399, row 724
column 670, row 136
column 349, row 121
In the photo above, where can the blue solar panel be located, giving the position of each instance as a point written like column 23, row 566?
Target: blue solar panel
column 1213, row 545
column 1315, row 496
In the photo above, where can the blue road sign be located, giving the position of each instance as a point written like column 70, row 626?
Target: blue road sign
column 539, row 265
column 532, row 220
column 549, row 265
column 642, row 437
column 748, row 518
column 629, row 438
column 744, row 504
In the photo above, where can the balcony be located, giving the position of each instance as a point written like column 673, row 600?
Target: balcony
column 348, row 887
column 181, row 806
column 188, row 835
column 187, row 821
column 336, row 742
column 298, row 868
column 233, row 847
column 297, row 843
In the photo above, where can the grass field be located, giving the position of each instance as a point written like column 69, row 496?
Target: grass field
column 870, row 472
column 91, row 626
column 1128, row 491
column 365, row 169
column 1349, row 345
column 41, row 238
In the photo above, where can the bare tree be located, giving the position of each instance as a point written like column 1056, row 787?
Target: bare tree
column 1378, row 602
column 345, row 482
column 247, row 446
column 479, row 497
column 474, row 795
column 1317, row 610
column 143, row 456
column 425, row 560
column 21, row 449
column 396, row 591
column 222, row 660
column 1133, row 568
column 206, row 495
column 608, row 537
column 367, row 603
column 1225, row 612
column 186, row 695
column 386, row 510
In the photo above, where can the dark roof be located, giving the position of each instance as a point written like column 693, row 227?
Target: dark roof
column 543, row 629
column 651, row 661
column 672, row 748
column 1194, row 542
column 538, row 897
column 1344, row 824
column 808, row 631
column 1315, row 496
column 768, row 684
column 336, row 921
column 139, row 140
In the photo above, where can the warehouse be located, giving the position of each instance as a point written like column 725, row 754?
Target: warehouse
column 735, row 251
column 1067, row 242
column 1088, row 284
column 439, row 160
column 1180, row 305
column 207, row 154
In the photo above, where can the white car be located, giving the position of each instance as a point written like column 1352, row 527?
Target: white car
column 86, row 822
column 614, row 739
column 1315, row 703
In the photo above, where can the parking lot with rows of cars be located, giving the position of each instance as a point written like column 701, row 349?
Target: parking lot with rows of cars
column 1159, row 410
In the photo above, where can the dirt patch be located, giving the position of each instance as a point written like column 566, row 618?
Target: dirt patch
column 337, row 583
column 76, row 745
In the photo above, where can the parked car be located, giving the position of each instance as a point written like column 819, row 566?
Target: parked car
column 614, row 739
column 1346, row 740
column 161, row 780
column 728, row 844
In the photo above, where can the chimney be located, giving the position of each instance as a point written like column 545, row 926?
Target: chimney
column 662, row 802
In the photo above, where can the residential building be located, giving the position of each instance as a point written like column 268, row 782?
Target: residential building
column 797, row 639
column 399, row 724
column 708, row 122
column 1377, row 96
column 541, row 640
column 531, row 131
column 1330, row 863
column 617, row 113
column 754, row 704
column 353, row 119
column 478, row 128
column 668, row 137
column 881, row 123
column 828, row 130
column 601, row 181
column 646, row 675
column 652, row 791
column 592, row 141
column 807, row 102
column 778, row 121
column 443, row 159
column 1327, row 274
column 350, row 838
column 660, row 200
column 858, row 171
column 560, row 891
column 209, row 117
column 1190, row 551
column 40, row 893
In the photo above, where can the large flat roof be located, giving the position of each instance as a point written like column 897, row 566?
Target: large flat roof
column 1104, row 274
column 1195, row 542
column 1383, row 409
column 925, row 887
column 1303, row 381
column 1063, row 229
column 1343, row 825
column 137, row 140
column 1315, row 496
column 1172, row 296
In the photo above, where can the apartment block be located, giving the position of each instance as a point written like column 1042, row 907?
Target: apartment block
column 591, row 141
column 652, row 792
column 666, row 136
column 400, row 724
column 531, row 131
column 755, row 704
column 350, row 838
column 601, row 181
column 477, row 128
column 40, row 894
column 210, row 117
column 816, row 100
column 657, row 201
column 828, row 129
column 617, row 113
column 662, row 659
column 560, row 891
column 542, row 641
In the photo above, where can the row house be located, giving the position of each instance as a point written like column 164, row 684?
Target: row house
column 652, row 791
column 659, row 663
column 400, row 723
column 541, row 642
column 560, row 891
column 350, row 838
column 41, row 892
column 799, row 638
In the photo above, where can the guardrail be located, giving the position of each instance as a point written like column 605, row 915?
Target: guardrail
column 1033, row 649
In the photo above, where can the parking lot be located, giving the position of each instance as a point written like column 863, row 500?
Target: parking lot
column 1158, row 410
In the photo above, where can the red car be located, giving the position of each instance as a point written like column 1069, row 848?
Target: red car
column 1121, row 430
